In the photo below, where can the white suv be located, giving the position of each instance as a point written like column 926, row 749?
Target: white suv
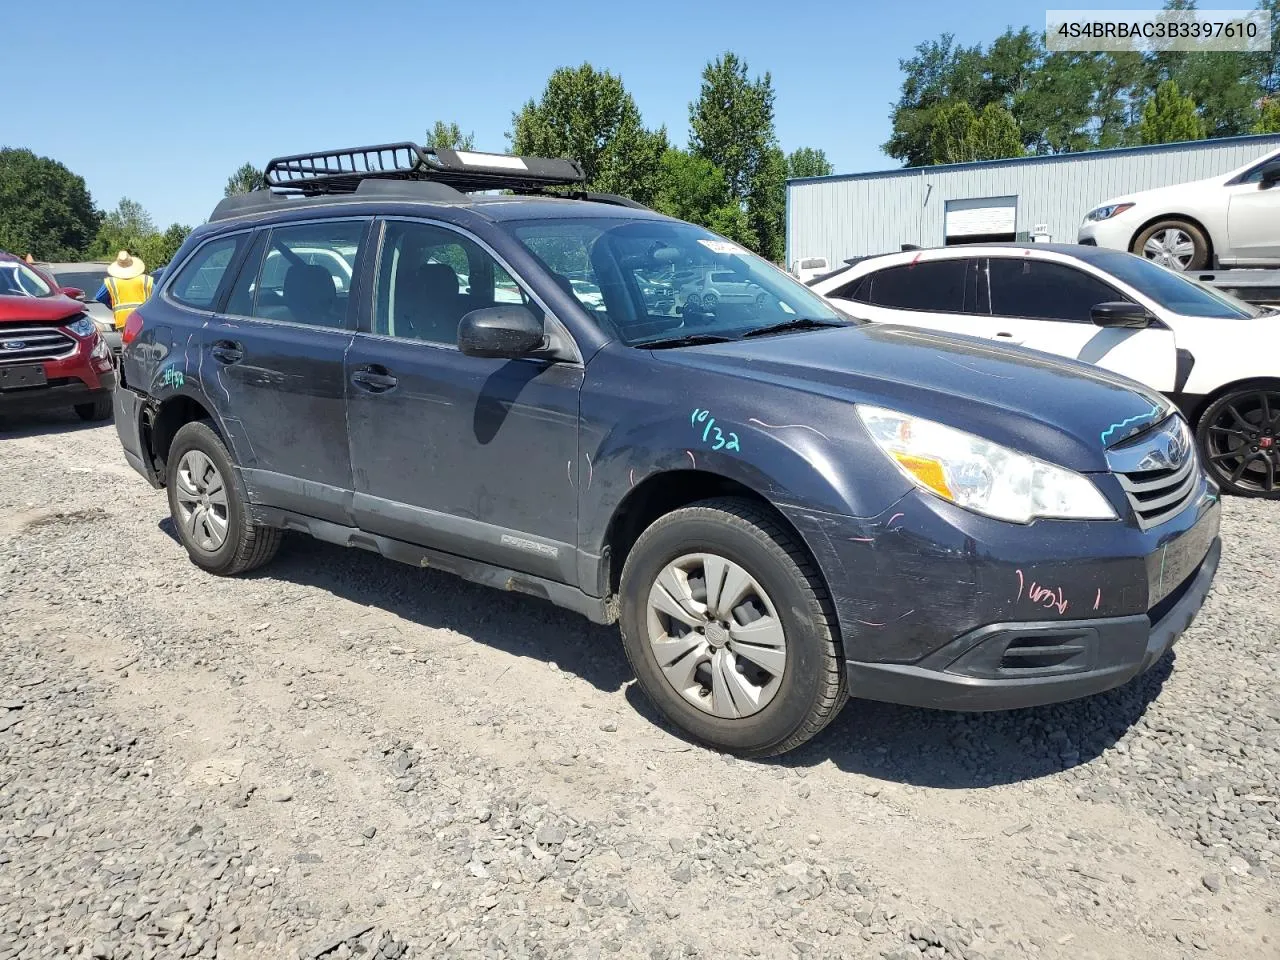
column 1233, row 219
column 1214, row 355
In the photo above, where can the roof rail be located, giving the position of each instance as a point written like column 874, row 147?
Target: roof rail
column 342, row 171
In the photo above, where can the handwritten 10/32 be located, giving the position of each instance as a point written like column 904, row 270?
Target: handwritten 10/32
column 712, row 435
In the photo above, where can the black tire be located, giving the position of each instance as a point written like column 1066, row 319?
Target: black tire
column 1238, row 437
column 247, row 545
column 812, row 688
column 99, row 409
column 1199, row 258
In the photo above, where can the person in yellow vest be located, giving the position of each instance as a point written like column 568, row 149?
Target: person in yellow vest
column 126, row 287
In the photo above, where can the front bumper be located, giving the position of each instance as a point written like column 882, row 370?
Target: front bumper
column 1005, row 666
column 59, row 393
column 1114, row 233
column 941, row 607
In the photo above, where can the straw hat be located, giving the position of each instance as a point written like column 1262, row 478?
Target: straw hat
column 126, row 267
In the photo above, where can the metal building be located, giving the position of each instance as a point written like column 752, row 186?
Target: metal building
column 857, row 214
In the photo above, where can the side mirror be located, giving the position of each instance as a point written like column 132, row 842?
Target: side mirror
column 507, row 331
column 1121, row 314
column 75, row 293
column 1271, row 172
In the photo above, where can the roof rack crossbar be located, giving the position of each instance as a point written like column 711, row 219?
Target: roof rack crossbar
column 341, row 171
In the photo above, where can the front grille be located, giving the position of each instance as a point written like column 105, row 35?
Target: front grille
column 1157, row 495
column 34, row 344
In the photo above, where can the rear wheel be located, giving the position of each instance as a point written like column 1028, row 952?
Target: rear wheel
column 99, row 409
column 1176, row 244
column 208, row 508
column 729, row 629
column 1239, row 439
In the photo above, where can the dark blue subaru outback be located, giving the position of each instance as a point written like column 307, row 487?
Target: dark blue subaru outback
column 570, row 396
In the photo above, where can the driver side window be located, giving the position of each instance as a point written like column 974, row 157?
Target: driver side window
column 430, row 277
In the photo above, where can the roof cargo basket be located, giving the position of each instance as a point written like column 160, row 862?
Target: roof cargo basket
column 342, row 171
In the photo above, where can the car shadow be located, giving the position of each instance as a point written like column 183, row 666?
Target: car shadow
column 949, row 750
column 45, row 423
column 517, row 624
column 925, row 748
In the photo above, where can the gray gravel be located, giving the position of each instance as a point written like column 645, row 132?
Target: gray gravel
column 342, row 757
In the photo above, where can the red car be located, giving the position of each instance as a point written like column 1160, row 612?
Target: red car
column 51, row 354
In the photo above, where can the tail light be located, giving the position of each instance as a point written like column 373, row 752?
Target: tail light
column 132, row 327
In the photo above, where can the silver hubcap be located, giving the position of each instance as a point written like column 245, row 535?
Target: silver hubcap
column 716, row 635
column 1170, row 248
column 202, row 501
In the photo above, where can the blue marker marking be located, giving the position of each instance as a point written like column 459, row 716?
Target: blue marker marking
column 721, row 441
column 1124, row 423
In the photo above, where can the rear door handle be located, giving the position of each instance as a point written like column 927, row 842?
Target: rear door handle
column 227, row 351
column 374, row 380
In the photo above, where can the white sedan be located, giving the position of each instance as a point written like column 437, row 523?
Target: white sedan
column 1214, row 355
column 1232, row 219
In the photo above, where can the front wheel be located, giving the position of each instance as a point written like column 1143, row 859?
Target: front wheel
column 99, row 409
column 1239, row 440
column 1175, row 244
column 208, row 507
column 729, row 629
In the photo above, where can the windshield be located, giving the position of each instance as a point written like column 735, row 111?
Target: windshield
column 88, row 282
column 17, row 279
column 646, row 281
column 1173, row 291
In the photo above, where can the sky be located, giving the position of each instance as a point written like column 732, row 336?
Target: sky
column 193, row 89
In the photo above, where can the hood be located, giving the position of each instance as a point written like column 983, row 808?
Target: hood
column 1060, row 410
column 18, row 309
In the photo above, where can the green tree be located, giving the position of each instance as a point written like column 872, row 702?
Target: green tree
column 808, row 162
column 731, row 125
column 450, row 136
column 940, row 73
column 767, row 205
column 695, row 189
column 1268, row 117
column 158, row 249
column 126, row 227
column 587, row 115
column 996, row 134
column 245, row 180
column 958, row 135
column 45, row 209
column 1169, row 117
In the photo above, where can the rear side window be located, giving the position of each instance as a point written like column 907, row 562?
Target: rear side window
column 301, row 274
column 1040, row 290
column 858, row 290
column 200, row 278
column 936, row 286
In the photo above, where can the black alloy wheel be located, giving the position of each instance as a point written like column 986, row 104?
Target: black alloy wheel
column 1240, row 440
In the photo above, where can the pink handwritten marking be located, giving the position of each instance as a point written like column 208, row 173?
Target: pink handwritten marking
column 1098, row 599
column 1048, row 597
column 894, row 517
column 690, row 453
column 789, row 426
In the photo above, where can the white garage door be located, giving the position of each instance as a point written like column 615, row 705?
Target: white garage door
column 987, row 216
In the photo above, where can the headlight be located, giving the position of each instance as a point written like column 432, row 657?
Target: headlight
column 1107, row 212
column 83, row 326
column 980, row 475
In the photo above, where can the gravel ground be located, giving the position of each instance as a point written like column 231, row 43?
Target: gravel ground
column 341, row 756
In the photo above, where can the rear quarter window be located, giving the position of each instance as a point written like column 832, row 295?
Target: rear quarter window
column 198, row 282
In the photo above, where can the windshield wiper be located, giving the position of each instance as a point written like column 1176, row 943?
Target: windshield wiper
column 799, row 323
column 690, row 340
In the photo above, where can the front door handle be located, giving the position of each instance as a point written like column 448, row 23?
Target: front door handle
column 1007, row 336
column 374, row 379
column 227, row 351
